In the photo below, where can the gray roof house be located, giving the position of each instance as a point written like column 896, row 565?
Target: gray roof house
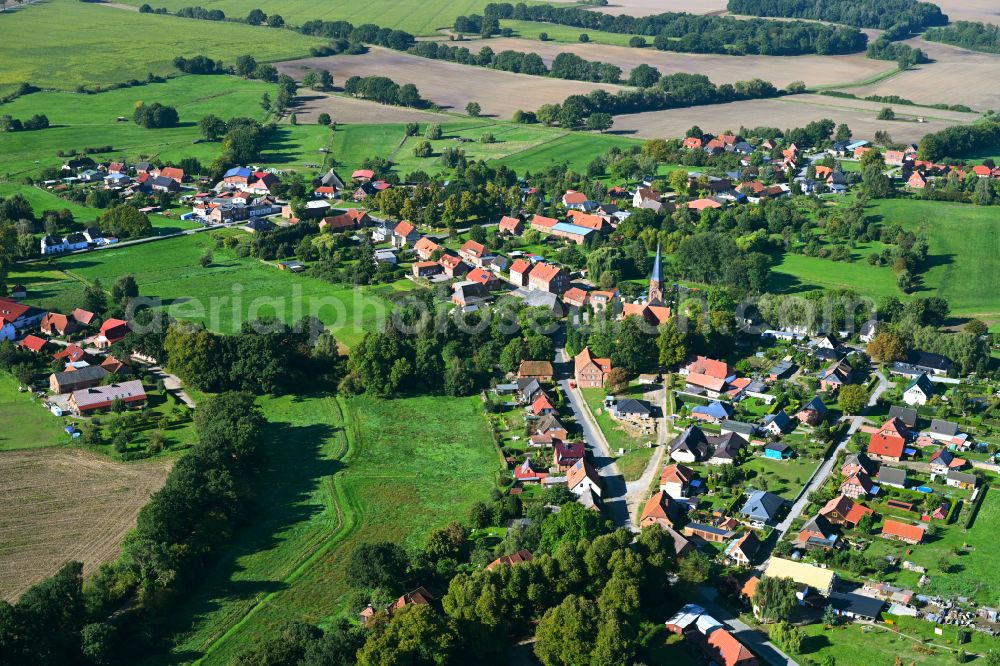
column 762, row 507
column 905, row 414
column 689, row 446
column 943, row 429
column 892, row 476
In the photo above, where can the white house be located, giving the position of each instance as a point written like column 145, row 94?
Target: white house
column 919, row 391
column 583, row 478
column 53, row 245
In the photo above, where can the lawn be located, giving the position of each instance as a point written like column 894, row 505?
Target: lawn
column 30, row 425
column 566, row 33
column 224, row 295
column 964, row 243
column 418, row 18
column 633, row 462
column 797, row 273
column 782, row 477
column 348, row 471
column 41, row 200
column 575, row 149
column 64, row 44
column 85, row 121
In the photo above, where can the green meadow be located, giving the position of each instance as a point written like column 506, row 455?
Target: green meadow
column 64, row 43
column 81, row 121
column 418, row 18
column 223, row 296
column 351, row 470
column 36, row 426
column 964, row 257
column 42, row 200
column 566, row 33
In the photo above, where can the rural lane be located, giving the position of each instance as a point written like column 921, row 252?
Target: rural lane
column 822, row 472
column 613, row 495
column 756, row 640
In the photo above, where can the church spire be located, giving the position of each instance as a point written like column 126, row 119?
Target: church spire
column 656, row 281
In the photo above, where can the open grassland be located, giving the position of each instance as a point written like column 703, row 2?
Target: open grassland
column 350, row 471
column 964, row 246
column 520, row 147
column 63, row 44
column 450, row 85
column 414, row 16
column 223, row 296
column 558, row 35
column 346, row 109
column 66, row 504
column 788, row 112
column 42, row 200
column 80, row 121
column 779, row 70
column 796, row 273
column 30, row 425
column 956, row 76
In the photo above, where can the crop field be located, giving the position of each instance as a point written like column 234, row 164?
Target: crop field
column 36, row 426
column 66, row 504
column 964, row 244
column 79, row 121
column 791, row 111
column 986, row 11
column 352, row 471
column 224, row 295
column 63, row 44
column 450, row 85
column 956, row 76
column 779, row 70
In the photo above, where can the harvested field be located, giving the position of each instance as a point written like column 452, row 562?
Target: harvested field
column 788, row 112
column 649, row 7
column 957, row 76
column 779, row 70
column 58, row 505
column 351, row 110
column 449, row 85
column 987, row 11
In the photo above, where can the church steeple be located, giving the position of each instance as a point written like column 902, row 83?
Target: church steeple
column 655, row 281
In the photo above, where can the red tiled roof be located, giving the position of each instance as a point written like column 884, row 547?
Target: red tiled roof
column 574, row 197
column 676, row 474
column 509, row 224
column 711, row 367
column 890, row 446
column 472, row 247
column 510, row 560
column 545, row 222
column 82, row 316
column 520, row 266
column 575, row 296
column 404, row 228
column 544, row 272
column 33, row 342
column 363, row 173
column 729, row 650
column 903, row 530
column 173, row 173
column 482, row 276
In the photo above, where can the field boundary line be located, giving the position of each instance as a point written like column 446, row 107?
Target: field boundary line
column 347, row 523
column 788, row 99
column 534, row 147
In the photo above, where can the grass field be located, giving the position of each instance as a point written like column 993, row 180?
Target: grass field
column 349, row 471
column 82, row 121
column 64, row 504
column 964, row 242
column 222, row 296
column 63, row 44
column 782, row 477
column 796, row 273
column 566, row 34
column 575, row 149
column 41, row 200
column 35, row 425
column 418, row 18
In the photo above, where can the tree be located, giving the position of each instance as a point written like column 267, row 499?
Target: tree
column 866, row 523
column 853, row 398
column 155, row 115
column 887, row 347
column 473, row 109
column 458, row 379
column 787, row 636
column 842, row 133
column 380, row 564
column 434, row 132
column 694, row 569
column 886, row 114
column 984, row 194
column 565, row 633
column 245, row 65
column 124, row 289
column 617, row 380
column 423, row 149
column 212, row 127
column 599, row 121
column 256, row 17
column 94, row 298
column 324, row 119
column 671, row 344
column 206, row 258
column 415, row 634
column 976, row 327
column 275, row 21
column 775, row 599
column 572, row 524
column 643, row 76
column 125, row 221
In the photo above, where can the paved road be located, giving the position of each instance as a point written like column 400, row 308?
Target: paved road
column 822, row 472
column 614, row 491
column 755, row 640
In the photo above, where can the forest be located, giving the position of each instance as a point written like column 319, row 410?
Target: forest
column 975, row 36
column 688, row 33
column 881, row 14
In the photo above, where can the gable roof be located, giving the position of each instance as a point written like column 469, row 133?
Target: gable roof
column 942, row 427
column 762, row 505
column 905, row 414
column 33, row 342
column 891, row 446
column 535, row 369
column 544, row 272
column 404, row 228
column 903, row 530
column 581, row 470
column 726, row 649
column 891, row 476
column 542, row 221
column 800, row 572
column 520, row 266
column 472, row 247
column 710, row 367
column 509, row 224
column 692, row 439
column 660, row 506
column 585, row 358
column 676, row 473
column 510, row 560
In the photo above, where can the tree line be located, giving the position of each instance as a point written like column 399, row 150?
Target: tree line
column 564, row 66
column 36, row 122
column 671, row 91
column 207, row 495
column 698, row 34
column 384, row 90
column 881, row 14
column 975, row 36
column 905, row 55
column 961, row 140
column 368, row 33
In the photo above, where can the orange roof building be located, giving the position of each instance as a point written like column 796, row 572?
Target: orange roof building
column 519, row 557
column 893, row 529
